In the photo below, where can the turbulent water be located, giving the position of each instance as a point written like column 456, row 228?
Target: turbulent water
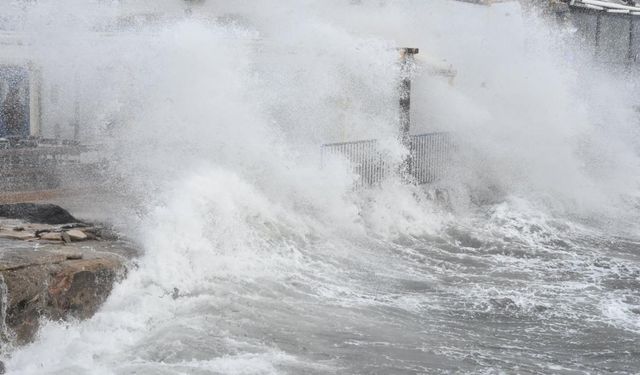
column 257, row 261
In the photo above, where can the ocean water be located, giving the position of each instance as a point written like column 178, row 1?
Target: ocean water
column 258, row 261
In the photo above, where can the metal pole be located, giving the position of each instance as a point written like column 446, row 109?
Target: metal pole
column 76, row 120
column 76, row 109
column 598, row 31
column 407, row 63
column 631, row 40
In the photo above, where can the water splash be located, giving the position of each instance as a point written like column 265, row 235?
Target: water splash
column 258, row 262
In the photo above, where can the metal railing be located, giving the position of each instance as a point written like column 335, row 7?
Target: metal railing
column 430, row 156
column 366, row 159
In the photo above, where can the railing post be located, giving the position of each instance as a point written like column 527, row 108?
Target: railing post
column 406, row 69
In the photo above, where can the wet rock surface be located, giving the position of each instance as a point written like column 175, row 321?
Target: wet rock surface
column 54, row 272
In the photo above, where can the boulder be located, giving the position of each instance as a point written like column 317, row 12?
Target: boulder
column 76, row 235
column 65, row 237
column 52, row 279
column 79, row 287
column 16, row 235
column 54, row 283
column 37, row 213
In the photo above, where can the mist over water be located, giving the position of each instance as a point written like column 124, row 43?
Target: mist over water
column 257, row 261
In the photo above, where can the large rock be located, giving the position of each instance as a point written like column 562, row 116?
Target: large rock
column 77, row 235
column 46, row 278
column 79, row 287
column 51, row 236
column 37, row 213
column 16, row 235
column 54, row 283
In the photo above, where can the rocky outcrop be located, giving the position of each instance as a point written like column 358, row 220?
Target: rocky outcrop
column 37, row 213
column 55, row 284
column 53, row 271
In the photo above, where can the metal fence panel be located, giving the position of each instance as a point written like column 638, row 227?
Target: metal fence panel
column 367, row 161
column 430, row 157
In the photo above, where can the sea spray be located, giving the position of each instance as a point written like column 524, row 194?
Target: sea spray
column 258, row 261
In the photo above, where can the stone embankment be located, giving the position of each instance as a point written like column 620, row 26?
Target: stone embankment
column 52, row 266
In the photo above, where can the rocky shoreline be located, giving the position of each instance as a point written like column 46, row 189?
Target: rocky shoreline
column 53, row 266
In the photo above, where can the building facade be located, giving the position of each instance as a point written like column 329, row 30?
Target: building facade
column 608, row 29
